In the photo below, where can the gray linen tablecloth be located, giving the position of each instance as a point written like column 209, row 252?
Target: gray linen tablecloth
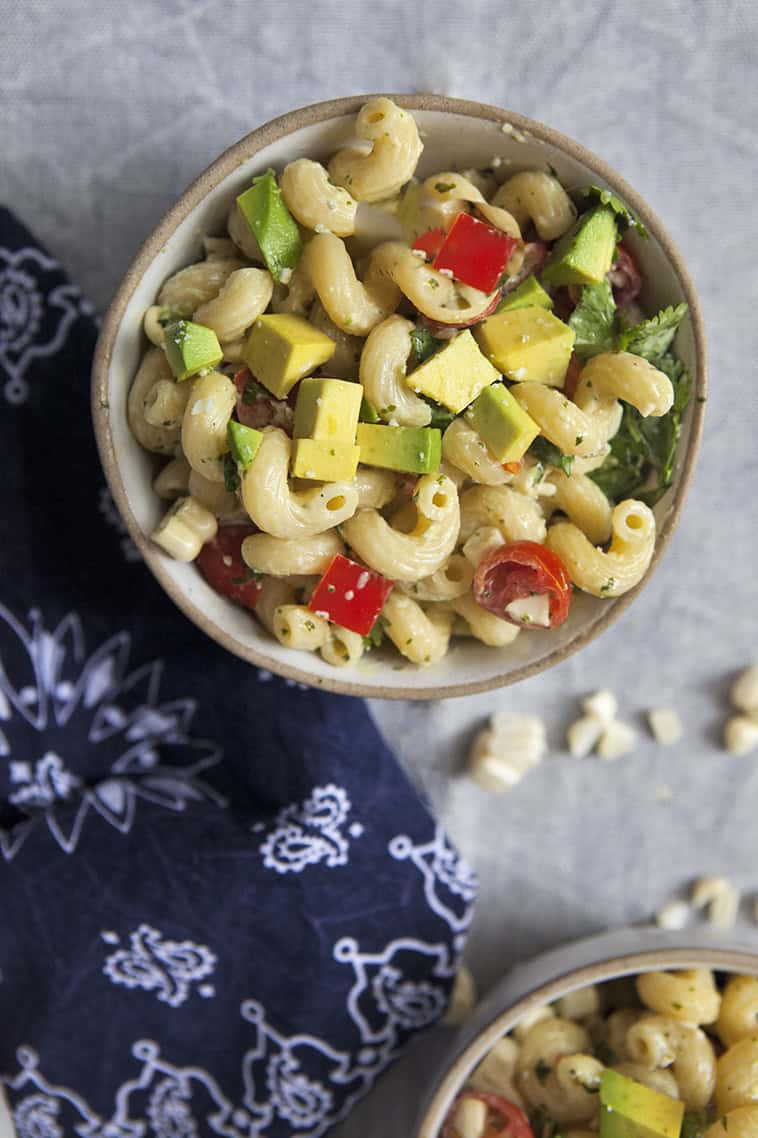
column 109, row 109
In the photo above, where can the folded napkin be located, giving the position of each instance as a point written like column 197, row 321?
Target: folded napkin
column 224, row 907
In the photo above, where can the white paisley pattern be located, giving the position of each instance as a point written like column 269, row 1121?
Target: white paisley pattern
column 295, row 1084
column 166, row 967
column 449, row 881
column 42, row 783
column 34, row 321
column 310, row 832
column 49, row 685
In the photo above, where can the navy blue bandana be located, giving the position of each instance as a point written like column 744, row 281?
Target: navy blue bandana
column 225, row 909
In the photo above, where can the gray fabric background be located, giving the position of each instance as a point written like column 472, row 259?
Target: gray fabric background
column 108, row 110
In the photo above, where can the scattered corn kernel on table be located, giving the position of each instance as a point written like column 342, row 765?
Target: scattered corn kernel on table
column 135, row 100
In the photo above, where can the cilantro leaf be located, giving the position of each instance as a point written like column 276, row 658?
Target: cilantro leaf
column 368, row 413
column 680, row 378
column 653, row 337
column 376, row 635
column 643, row 453
column 231, row 474
column 696, row 1122
column 424, row 344
column 548, row 454
column 168, row 316
column 625, row 217
column 441, row 417
column 594, row 320
column 253, row 391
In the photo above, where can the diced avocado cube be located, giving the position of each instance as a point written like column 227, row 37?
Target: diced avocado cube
column 455, row 375
column 327, row 409
column 413, row 450
column 243, row 442
column 503, row 423
column 529, row 294
column 368, row 413
column 527, row 344
column 191, row 348
column 281, row 349
column 275, row 229
column 584, row 254
column 324, row 460
column 630, row 1110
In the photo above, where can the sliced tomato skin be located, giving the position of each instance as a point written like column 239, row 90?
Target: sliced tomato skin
column 231, row 580
column 522, row 569
column 504, row 1118
column 263, row 410
column 573, row 371
column 446, row 331
column 625, row 278
column 535, row 254
column 407, row 484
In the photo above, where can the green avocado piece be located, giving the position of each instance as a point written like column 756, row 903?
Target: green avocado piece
column 274, row 227
column 327, row 409
column 529, row 294
column 413, row 450
column 527, row 344
column 191, row 348
column 281, row 349
column 368, row 412
column 502, row 422
column 630, row 1110
column 324, row 460
column 455, row 375
column 584, row 254
column 243, row 442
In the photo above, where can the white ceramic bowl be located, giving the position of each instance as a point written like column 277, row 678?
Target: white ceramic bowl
column 554, row 974
column 456, row 134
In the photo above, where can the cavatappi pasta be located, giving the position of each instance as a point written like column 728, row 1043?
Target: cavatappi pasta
column 687, row 1035
column 392, row 404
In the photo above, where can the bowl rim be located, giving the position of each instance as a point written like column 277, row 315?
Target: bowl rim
column 245, row 149
column 703, row 952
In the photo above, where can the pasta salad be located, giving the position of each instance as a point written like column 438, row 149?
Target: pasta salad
column 408, row 410
column 661, row 1055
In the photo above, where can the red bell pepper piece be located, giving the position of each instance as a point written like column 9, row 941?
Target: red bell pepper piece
column 350, row 595
column 430, row 242
column 475, row 253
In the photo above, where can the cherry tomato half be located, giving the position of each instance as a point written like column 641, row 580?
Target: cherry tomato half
column 220, row 562
column 518, row 570
column 504, row 1118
